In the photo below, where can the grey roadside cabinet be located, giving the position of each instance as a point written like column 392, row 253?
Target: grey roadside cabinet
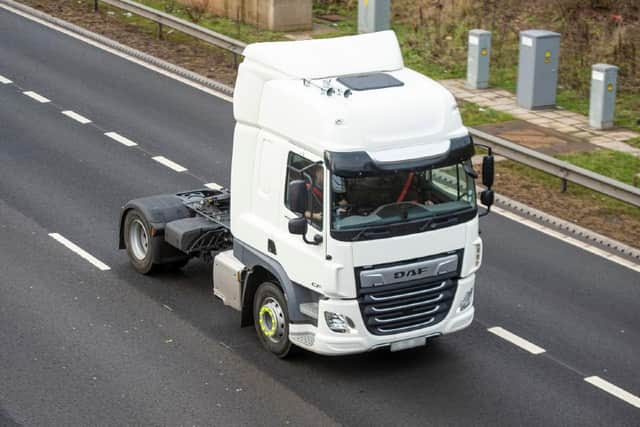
column 478, row 59
column 374, row 15
column 538, row 69
column 603, row 95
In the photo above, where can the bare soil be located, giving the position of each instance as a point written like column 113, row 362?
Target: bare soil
column 588, row 209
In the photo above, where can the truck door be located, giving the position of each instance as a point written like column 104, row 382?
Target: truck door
column 302, row 261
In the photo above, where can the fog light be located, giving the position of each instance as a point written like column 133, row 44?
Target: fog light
column 466, row 300
column 338, row 322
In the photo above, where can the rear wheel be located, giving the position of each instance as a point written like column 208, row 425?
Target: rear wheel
column 271, row 319
column 138, row 240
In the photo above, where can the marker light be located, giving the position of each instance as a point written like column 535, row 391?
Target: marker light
column 338, row 322
column 478, row 255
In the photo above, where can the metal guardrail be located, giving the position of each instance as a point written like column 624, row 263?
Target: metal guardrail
column 162, row 18
column 563, row 170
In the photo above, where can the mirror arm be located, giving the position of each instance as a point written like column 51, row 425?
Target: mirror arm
column 485, row 213
column 317, row 239
column 486, row 147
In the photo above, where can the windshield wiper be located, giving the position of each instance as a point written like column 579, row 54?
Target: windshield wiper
column 371, row 233
column 426, row 224
column 434, row 223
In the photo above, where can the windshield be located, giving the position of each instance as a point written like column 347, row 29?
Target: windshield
column 401, row 197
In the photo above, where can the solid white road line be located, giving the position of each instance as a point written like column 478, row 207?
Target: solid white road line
column 614, row 390
column 567, row 239
column 78, row 250
column 77, row 117
column 168, row 163
column 36, row 96
column 514, row 339
column 4, row 80
column 121, row 139
column 120, row 54
column 214, row 186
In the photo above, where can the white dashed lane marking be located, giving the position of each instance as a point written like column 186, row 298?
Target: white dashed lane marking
column 77, row 117
column 121, row 139
column 79, row 251
column 168, row 163
column 36, row 96
column 214, row 186
column 614, row 390
column 516, row 340
column 4, row 80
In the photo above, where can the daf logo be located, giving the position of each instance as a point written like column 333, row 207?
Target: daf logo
column 414, row 272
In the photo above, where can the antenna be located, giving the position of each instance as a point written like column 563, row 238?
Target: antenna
column 327, row 88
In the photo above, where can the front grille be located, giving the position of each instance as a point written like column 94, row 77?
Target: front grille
column 404, row 307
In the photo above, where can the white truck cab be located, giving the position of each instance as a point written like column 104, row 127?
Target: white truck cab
column 353, row 221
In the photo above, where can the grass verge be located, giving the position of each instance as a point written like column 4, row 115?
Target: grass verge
column 474, row 115
column 578, row 204
column 634, row 142
column 614, row 164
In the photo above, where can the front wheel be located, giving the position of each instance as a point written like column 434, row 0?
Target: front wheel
column 271, row 319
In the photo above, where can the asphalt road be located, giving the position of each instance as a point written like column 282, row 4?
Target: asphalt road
column 81, row 346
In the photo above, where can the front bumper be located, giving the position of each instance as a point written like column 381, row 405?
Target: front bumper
column 322, row 340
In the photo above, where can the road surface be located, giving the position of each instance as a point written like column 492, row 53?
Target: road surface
column 84, row 345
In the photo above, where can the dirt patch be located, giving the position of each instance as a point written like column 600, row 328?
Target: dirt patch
column 578, row 205
column 175, row 48
column 537, row 138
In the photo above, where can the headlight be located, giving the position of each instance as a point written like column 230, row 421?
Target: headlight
column 478, row 254
column 338, row 322
column 467, row 299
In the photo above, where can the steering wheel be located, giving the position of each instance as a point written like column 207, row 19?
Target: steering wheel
column 344, row 209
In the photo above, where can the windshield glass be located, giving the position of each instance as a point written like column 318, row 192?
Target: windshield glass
column 400, row 197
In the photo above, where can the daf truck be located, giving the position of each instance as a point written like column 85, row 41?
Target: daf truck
column 351, row 222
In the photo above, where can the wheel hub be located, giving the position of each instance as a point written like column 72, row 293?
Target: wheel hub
column 271, row 320
column 138, row 239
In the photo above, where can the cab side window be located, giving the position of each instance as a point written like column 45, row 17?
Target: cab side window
column 300, row 168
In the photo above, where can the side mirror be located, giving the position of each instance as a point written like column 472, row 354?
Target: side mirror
column 487, row 197
column 487, row 171
column 298, row 226
column 298, row 196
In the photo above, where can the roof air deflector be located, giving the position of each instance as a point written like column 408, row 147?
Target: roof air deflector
column 370, row 81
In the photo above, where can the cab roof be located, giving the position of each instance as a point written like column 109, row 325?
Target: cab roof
column 320, row 58
column 398, row 114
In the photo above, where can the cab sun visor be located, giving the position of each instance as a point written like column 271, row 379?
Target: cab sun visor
column 359, row 163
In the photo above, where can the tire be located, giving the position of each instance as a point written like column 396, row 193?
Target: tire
column 271, row 319
column 138, row 241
